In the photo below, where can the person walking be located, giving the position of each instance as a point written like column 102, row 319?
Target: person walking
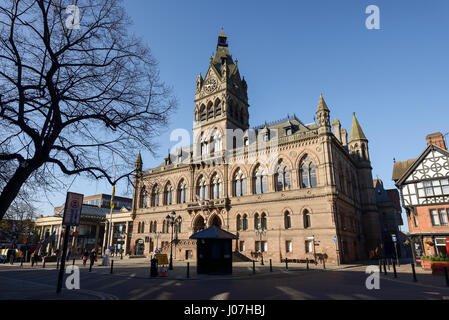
column 92, row 257
column 85, row 256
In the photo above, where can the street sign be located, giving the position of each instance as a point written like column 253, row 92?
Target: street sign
column 162, row 259
column 72, row 209
column 335, row 238
column 394, row 238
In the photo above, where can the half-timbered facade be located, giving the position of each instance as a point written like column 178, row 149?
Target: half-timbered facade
column 424, row 187
column 305, row 187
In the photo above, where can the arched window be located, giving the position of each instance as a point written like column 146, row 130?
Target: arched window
column 260, row 181
column 216, row 187
column 256, row 221
column 263, row 221
column 307, row 174
column 143, row 198
column 245, row 222
column 218, row 142
column 239, row 183
column 201, row 188
column 282, row 177
column 199, row 224
column 287, row 220
column 163, row 226
column 364, row 152
column 151, row 226
column 168, row 194
column 155, row 226
column 306, row 217
column 143, row 227
column 210, row 111
column 155, row 194
column 239, row 223
column 203, row 113
column 138, row 227
column 218, row 108
column 182, row 192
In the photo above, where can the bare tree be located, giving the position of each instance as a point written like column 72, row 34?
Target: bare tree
column 76, row 87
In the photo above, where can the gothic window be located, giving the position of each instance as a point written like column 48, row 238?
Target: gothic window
column 210, row 111
column 142, row 230
column 182, row 192
column 199, row 224
column 239, row 223
column 201, row 188
column 203, row 113
column 308, row 174
column 256, row 221
column 168, row 194
column 260, row 181
column 306, row 218
column 155, row 196
column 245, row 222
column 218, row 109
column 151, row 226
column 216, row 187
column 143, row 198
column 364, row 151
column 263, row 221
column 287, row 220
column 218, row 143
column 282, row 177
column 239, row 184
column 155, row 226
column 138, row 227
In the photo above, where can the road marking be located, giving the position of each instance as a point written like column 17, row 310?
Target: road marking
column 221, row 296
column 164, row 296
column 339, row 297
column 295, row 294
column 144, row 293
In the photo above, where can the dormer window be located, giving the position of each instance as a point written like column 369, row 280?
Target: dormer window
column 266, row 136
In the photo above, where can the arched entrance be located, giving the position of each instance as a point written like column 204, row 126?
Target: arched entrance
column 198, row 224
column 140, row 247
column 215, row 221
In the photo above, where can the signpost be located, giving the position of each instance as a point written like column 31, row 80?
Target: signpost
column 395, row 241
column 336, row 249
column 72, row 213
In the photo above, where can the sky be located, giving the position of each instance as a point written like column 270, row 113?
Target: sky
column 395, row 79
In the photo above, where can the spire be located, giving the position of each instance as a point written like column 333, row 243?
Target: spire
column 222, row 40
column 138, row 163
column 139, row 158
column 322, row 104
column 356, row 130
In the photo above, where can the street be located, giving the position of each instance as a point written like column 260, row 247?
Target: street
column 131, row 281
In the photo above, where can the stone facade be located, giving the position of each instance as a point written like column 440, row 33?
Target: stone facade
column 293, row 181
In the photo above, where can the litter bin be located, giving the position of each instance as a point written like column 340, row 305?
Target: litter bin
column 153, row 269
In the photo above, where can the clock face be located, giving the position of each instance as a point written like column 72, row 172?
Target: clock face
column 210, row 85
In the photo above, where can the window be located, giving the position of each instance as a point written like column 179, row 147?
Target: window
column 242, row 246
column 288, row 131
column 239, row 184
column 210, row 111
column 288, row 246
column 309, row 246
column 260, row 181
column 443, row 217
column 245, row 222
column 433, row 188
column 287, row 220
column 256, row 221
column 308, row 174
column 155, row 196
column 261, row 246
column 239, row 223
column 216, row 187
column 203, row 115
column 306, row 217
column 143, row 198
column 168, row 194
column 218, row 109
column 182, row 192
column 201, row 189
column 282, row 177
column 434, row 217
column 263, row 221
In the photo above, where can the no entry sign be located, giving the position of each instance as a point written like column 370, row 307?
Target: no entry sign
column 72, row 209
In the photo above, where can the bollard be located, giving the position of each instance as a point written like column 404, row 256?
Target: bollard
column 307, row 261
column 26, row 256
column 73, row 262
column 394, row 269
column 57, row 264
column 380, row 265
column 121, row 255
column 324, row 264
column 112, row 266
column 388, row 264
column 286, row 263
column 254, row 267
column 188, row 269
column 21, row 262
column 446, row 275
column 385, row 267
column 414, row 273
column 43, row 262
column 91, row 264
column 271, row 266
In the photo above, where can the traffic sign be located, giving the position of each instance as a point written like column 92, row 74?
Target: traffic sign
column 72, row 209
column 335, row 238
column 394, row 238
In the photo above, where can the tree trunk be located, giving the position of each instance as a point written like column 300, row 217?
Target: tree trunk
column 12, row 188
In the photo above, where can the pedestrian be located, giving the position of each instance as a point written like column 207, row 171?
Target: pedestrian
column 92, row 257
column 85, row 256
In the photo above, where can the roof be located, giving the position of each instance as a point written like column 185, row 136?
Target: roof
column 213, row 232
column 393, row 194
column 400, row 168
column 356, row 130
column 322, row 104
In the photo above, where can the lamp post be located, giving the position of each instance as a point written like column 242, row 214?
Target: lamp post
column 172, row 220
column 157, row 236
column 260, row 231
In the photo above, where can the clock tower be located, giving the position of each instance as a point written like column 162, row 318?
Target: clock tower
column 221, row 102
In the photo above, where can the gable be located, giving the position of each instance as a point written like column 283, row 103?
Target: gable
column 432, row 166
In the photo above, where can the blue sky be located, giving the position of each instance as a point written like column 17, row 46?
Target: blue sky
column 395, row 78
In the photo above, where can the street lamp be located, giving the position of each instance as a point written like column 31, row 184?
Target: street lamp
column 157, row 236
column 260, row 231
column 172, row 220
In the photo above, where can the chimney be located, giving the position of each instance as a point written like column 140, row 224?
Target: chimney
column 337, row 129
column 344, row 136
column 436, row 139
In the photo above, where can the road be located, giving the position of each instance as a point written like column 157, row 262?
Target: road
column 346, row 284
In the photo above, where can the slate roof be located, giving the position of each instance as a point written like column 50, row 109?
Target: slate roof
column 401, row 167
column 213, row 232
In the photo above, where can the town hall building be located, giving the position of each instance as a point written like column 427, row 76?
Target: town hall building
column 286, row 188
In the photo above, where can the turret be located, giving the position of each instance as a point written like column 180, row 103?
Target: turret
column 323, row 116
column 358, row 143
column 138, row 164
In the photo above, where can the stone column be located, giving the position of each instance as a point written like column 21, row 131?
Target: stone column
column 97, row 234
column 125, row 246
